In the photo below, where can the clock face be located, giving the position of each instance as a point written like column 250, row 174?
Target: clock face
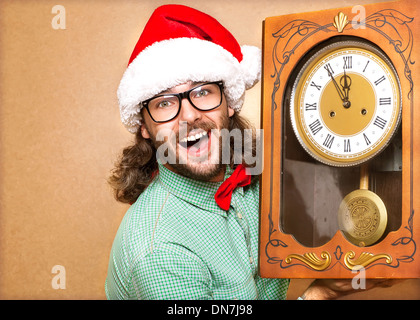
column 346, row 103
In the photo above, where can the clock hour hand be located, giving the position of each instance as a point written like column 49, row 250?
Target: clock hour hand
column 345, row 82
column 340, row 93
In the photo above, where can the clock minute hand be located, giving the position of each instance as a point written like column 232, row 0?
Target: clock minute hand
column 340, row 93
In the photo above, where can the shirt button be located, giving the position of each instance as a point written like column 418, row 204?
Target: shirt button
column 239, row 215
column 251, row 261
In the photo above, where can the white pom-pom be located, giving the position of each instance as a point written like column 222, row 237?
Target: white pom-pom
column 251, row 65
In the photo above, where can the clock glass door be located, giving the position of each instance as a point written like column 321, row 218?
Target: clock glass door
column 342, row 134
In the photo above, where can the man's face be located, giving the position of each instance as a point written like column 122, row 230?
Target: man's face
column 197, row 147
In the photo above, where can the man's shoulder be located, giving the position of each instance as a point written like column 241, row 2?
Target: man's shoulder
column 147, row 206
column 154, row 214
column 136, row 231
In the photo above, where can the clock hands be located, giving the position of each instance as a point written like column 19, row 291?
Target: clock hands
column 340, row 93
column 345, row 82
column 346, row 88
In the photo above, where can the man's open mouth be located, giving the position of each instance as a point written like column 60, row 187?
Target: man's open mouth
column 195, row 142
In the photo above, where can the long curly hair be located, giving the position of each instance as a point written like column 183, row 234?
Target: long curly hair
column 137, row 165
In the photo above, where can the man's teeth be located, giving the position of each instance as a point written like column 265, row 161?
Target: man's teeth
column 194, row 137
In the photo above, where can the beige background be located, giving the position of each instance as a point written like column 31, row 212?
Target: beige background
column 60, row 134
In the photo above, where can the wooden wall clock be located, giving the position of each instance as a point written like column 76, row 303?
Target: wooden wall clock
column 341, row 184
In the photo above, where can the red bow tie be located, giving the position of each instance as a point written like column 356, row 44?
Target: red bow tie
column 239, row 178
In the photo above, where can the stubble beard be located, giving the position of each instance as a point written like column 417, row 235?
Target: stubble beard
column 204, row 167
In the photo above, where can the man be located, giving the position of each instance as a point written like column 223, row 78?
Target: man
column 192, row 229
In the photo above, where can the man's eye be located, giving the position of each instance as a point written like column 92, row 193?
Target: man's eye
column 201, row 93
column 164, row 104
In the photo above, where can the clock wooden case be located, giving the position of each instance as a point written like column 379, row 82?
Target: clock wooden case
column 340, row 185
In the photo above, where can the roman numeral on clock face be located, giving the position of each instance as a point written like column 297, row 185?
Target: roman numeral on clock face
column 313, row 84
column 310, row 106
column 367, row 63
column 366, row 66
column 379, row 80
column 366, row 139
column 379, row 122
column 347, row 62
column 384, row 101
column 315, row 127
column 347, row 147
column 329, row 69
column 328, row 141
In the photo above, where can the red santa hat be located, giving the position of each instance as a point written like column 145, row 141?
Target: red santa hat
column 181, row 44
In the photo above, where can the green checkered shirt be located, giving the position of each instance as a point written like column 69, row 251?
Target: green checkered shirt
column 176, row 243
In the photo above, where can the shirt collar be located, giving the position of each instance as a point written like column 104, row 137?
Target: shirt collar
column 198, row 193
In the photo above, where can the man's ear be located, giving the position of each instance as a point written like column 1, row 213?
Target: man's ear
column 230, row 111
column 145, row 134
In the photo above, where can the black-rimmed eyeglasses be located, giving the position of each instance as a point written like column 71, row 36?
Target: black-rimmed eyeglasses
column 204, row 97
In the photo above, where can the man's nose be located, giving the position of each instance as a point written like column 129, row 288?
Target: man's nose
column 188, row 113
